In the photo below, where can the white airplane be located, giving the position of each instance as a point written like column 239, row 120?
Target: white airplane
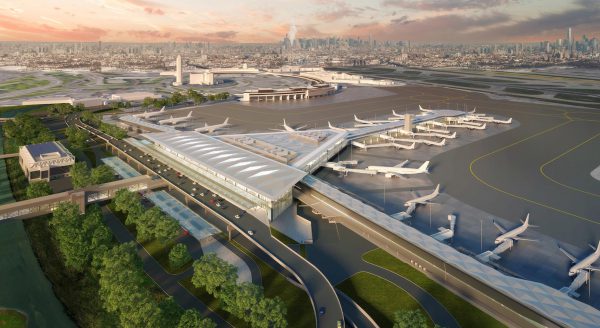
column 424, row 109
column 335, row 128
column 147, row 115
column 585, row 263
column 399, row 169
column 289, row 128
column 487, row 119
column 423, row 200
column 512, row 234
column 212, row 128
column 370, row 122
column 396, row 114
column 175, row 120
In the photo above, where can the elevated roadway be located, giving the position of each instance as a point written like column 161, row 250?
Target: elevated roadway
column 319, row 289
column 517, row 302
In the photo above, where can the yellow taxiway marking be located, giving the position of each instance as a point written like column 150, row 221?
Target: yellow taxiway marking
column 560, row 156
column 482, row 181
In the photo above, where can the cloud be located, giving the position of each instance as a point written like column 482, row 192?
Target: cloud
column 338, row 10
column 444, row 5
column 154, row 11
column 28, row 31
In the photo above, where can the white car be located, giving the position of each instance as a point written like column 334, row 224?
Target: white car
column 251, row 232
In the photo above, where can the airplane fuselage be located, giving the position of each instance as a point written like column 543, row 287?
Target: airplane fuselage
column 511, row 234
column 585, row 263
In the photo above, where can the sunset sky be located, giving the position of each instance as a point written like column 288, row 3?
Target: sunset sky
column 268, row 21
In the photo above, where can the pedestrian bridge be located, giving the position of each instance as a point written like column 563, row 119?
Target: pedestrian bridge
column 45, row 205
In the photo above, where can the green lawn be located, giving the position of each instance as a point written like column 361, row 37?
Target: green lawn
column 300, row 310
column 22, row 83
column 464, row 312
column 12, row 319
column 379, row 297
column 459, row 83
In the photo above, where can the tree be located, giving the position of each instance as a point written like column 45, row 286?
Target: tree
column 177, row 97
column 213, row 274
column 166, row 229
column 128, row 202
column 179, row 256
column 241, row 299
column 147, row 102
column 76, row 137
column 80, row 175
column 102, row 174
column 80, row 236
column 191, row 318
column 269, row 313
column 410, row 319
column 38, row 189
column 171, row 312
column 122, row 288
column 147, row 222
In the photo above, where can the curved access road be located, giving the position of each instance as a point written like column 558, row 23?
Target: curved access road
column 319, row 289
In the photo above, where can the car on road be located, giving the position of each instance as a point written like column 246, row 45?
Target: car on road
column 240, row 214
column 322, row 311
column 251, row 232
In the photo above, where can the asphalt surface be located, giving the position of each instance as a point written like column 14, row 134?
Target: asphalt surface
column 337, row 252
column 319, row 289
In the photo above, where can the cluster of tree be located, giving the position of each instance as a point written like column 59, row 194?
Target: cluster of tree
column 120, row 104
column 64, row 109
column 124, row 293
column 24, row 130
column 245, row 301
column 82, row 238
column 149, row 224
column 95, row 121
column 411, row 319
column 38, row 189
column 179, row 256
column 178, row 97
column 76, row 137
column 82, row 176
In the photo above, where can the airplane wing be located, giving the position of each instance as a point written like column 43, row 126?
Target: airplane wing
column 524, row 239
column 569, row 255
column 593, row 268
column 402, row 164
column 592, row 246
column 499, row 227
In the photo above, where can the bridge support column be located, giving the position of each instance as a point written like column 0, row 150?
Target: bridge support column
column 79, row 199
column 230, row 229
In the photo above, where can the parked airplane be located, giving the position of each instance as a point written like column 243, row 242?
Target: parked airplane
column 585, row 263
column 335, row 128
column 487, row 119
column 399, row 169
column 396, row 114
column 423, row 200
column 289, row 128
column 147, row 115
column 424, row 109
column 175, row 120
column 370, row 122
column 212, row 128
column 512, row 234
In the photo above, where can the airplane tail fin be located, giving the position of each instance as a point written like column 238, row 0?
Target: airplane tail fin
column 163, row 108
column 226, row 121
column 424, row 167
column 422, row 109
column 329, row 124
column 437, row 189
column 597, row 249
column 413, row 145
column 394, row 113
column 189, row 114
column 355, row 118
column 473, row 111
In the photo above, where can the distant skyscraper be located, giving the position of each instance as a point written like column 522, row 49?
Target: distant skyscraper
column 569, row 38
column 178, row 71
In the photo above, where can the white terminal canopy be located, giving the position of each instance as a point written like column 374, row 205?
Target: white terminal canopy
column 264, row 176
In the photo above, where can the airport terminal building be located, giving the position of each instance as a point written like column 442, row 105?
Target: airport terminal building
column 246, row 179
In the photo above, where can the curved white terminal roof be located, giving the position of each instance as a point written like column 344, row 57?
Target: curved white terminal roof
column 262, row 175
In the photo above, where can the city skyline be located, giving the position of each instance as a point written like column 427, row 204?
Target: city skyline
column 453, row 21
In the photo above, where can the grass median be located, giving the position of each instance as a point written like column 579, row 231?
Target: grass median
column 379, row 297
column 464, row 312
column 12, row 319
